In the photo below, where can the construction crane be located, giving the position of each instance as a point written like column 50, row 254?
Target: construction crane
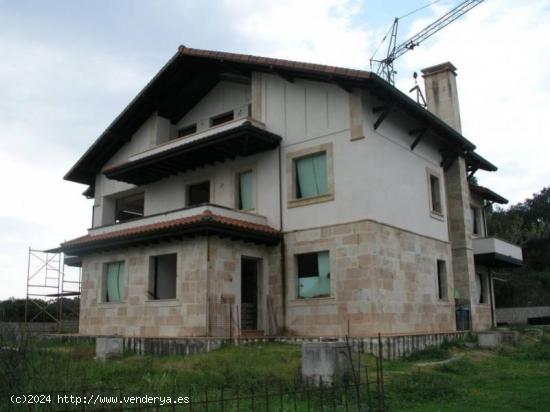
column 385, row 66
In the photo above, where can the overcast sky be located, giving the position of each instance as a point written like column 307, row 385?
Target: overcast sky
column 67, row 68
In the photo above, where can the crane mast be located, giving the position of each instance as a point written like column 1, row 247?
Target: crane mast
column 385, row 66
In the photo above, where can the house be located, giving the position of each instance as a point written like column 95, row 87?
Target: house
column 239, row 194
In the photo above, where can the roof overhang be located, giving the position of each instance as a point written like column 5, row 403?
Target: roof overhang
column 487, row 194
column 205, row 223
column 497, row 260
column 191, row 73
column 244, row 139
column 475, row 162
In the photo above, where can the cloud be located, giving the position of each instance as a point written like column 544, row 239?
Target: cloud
column 55, row 102
column 320, row 31
column 499, row 49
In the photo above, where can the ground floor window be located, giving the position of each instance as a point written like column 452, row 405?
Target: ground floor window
column 162, row 276
column 313, row 275
column 442, row 280
column 481, row 287
column 114, row 282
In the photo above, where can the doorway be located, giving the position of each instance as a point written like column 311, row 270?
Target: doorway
column 249, row 293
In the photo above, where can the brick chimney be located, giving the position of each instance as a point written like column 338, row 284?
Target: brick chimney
column 441, row 93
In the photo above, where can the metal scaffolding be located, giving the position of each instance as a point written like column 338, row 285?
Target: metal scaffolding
column 51, row 278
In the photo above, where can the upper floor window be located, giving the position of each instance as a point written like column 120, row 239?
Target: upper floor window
column 222, row 118
column 436, row 204
column 198, row 193
column 311, row 175
column 113, row 290
column 313, row 275
column 187, row 130
column 129, row 207
column 475, row 220
column 245, row 190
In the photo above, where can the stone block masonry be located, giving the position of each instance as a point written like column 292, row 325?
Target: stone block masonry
column 382, row 279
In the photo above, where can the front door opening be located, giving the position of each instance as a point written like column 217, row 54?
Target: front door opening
column 249, row 294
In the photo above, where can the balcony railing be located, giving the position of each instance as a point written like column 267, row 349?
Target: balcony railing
column 240, row 137
column 179, row 214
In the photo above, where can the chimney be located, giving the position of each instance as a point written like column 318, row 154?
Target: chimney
column 441, row 93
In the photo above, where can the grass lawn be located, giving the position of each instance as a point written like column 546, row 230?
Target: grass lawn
column 511, row 379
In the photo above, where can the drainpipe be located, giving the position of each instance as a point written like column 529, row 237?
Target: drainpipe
column 282, row 245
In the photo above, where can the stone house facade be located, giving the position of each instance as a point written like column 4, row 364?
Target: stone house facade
column 239, row 195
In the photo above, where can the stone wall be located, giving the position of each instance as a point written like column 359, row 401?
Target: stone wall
column 224, row 279
column 208, row 271
column 137, row 315
column 383, row 279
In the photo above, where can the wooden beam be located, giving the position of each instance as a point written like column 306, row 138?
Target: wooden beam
column 420, row 134
column 382, row 116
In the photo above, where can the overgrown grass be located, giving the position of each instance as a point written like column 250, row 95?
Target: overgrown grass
column 513, row 379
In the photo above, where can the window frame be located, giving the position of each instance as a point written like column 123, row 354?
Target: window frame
column 439, row 275
column 291, row 176
column 484, row 297
column 222, row 118
column 186, row 131
column 475, row 213
column 152, row 259
column 103, row 289
column 198, row 182
column 297, row 275
column 436, row 214
column 119, row 197
column 237, row 186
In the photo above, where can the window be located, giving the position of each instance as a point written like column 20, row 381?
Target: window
column 435, row 193
column 198, row 193
column 475, row 220
column 114, row 282
column 311, row 176
column 313, row 275
column 442, row 280
column 162, row 276
column 222, row 118
column 481, row 287
column 245, row 190
column 187, row 130
column 129, row 207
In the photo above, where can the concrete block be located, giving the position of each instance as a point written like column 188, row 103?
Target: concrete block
column 324, row 362
column 489, row 340
column 108, row 347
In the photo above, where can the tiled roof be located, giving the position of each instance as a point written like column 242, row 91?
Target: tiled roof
column 276, row 63
column 206, row 217
column 488, row 194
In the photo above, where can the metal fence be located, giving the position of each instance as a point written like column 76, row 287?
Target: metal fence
column 361, row 389
column 310, row 397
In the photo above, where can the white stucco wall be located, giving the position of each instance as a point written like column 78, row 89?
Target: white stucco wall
column 377, row 177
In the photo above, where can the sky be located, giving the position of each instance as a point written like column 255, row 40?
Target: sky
column 68, row 68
